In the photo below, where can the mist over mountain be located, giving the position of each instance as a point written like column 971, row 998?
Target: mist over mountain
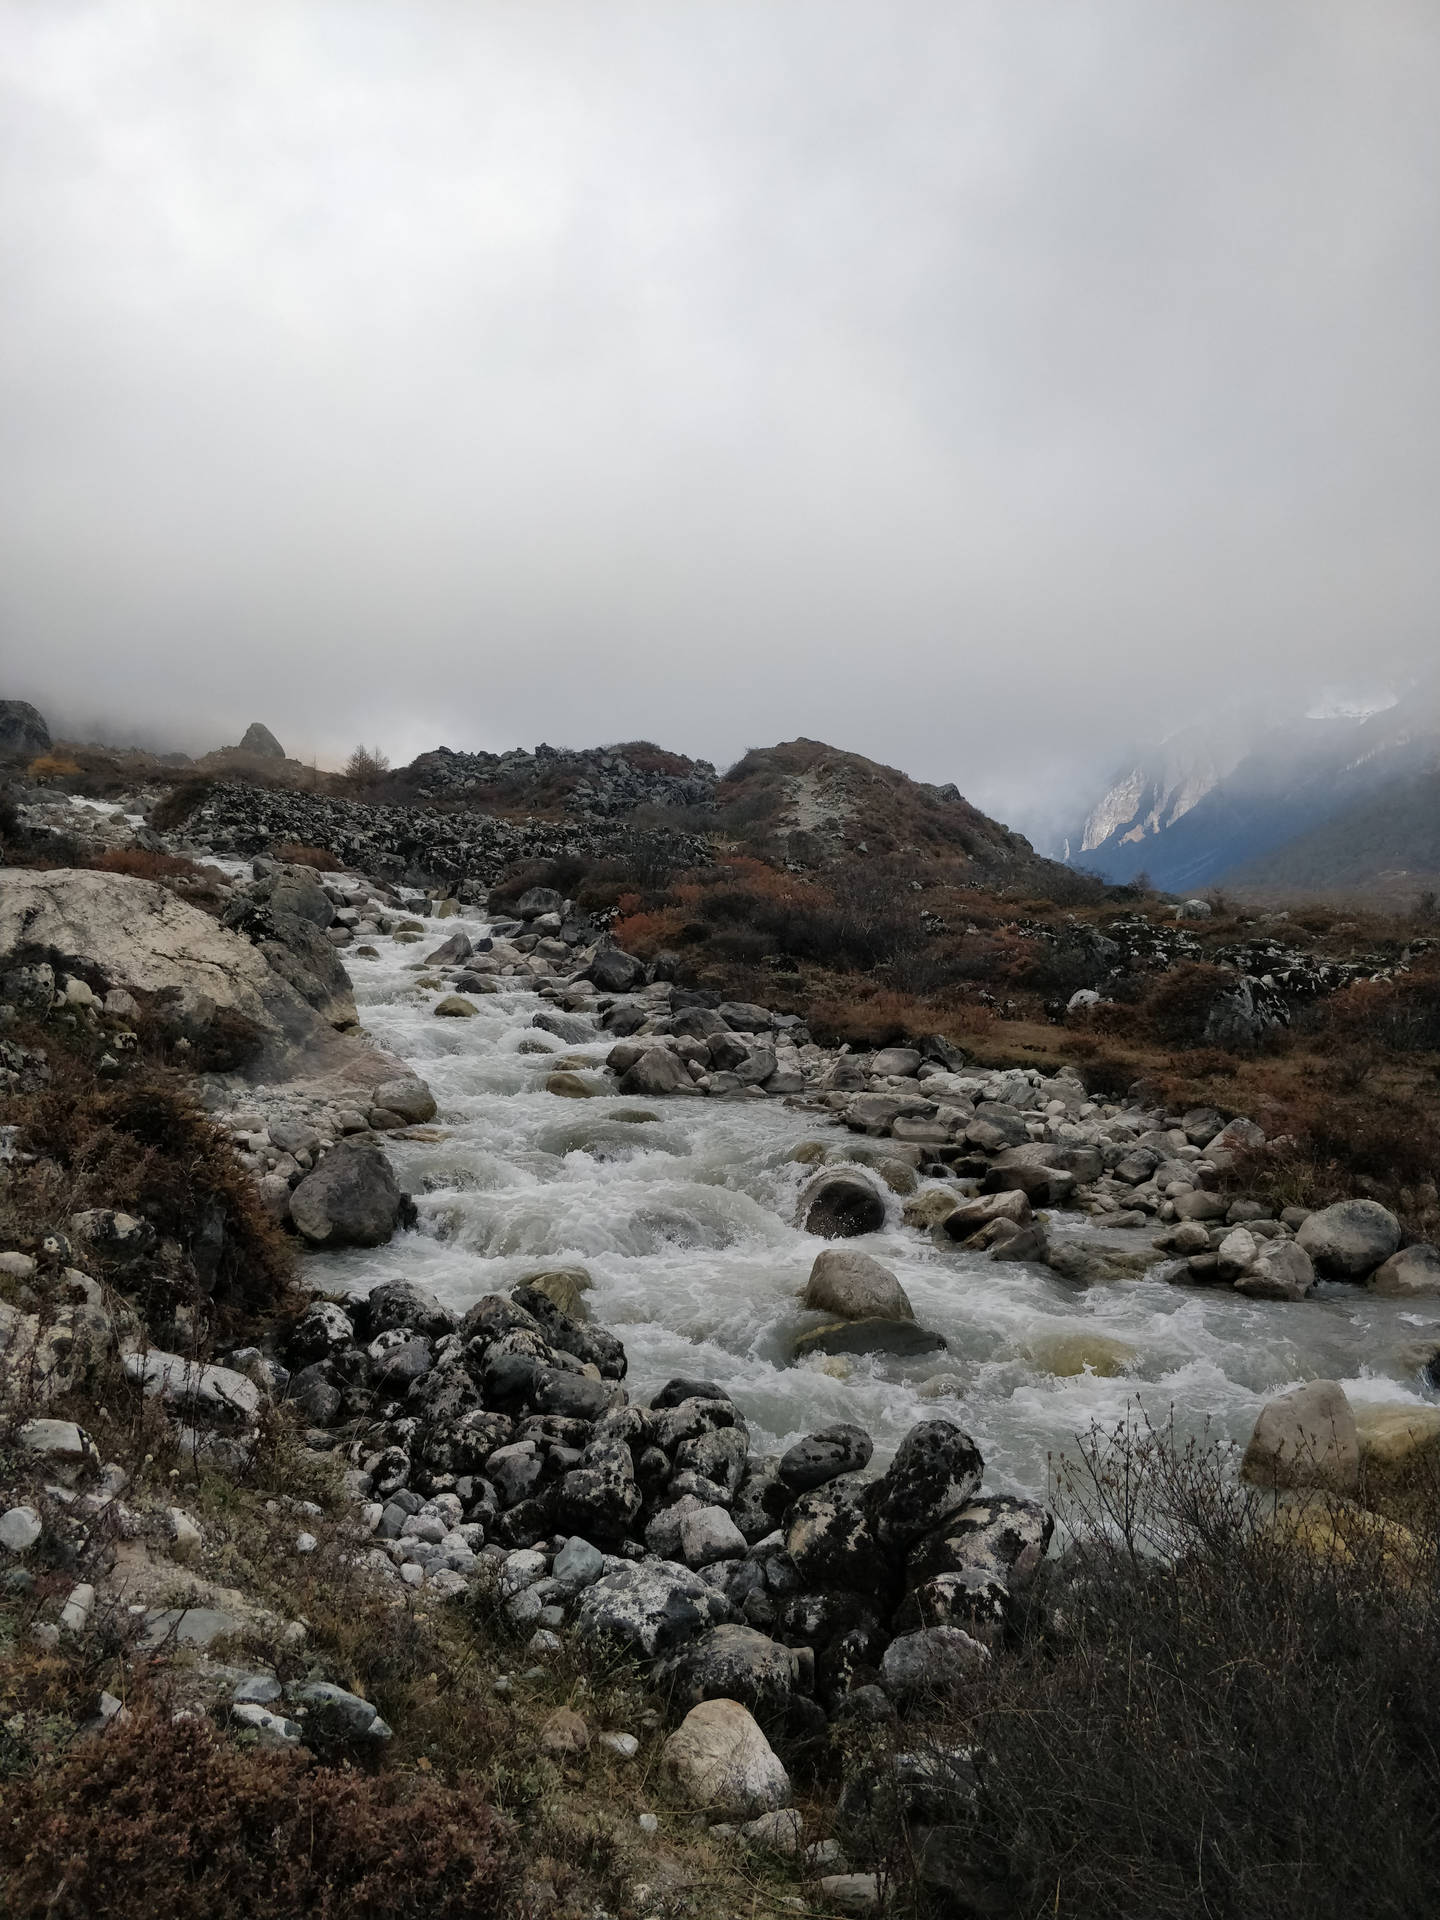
column 1293, row 802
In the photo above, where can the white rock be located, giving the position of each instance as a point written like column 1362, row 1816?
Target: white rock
column 20, row 1528
column 76, row 1612
column 623, row 1745
column 721, row 1761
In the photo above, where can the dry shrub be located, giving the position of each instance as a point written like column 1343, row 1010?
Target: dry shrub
column 1177, row 1007
column 164, row 1818
column 52, row 766
column 1223, row 1724
column 142, row 1145
column 178, row 805
column 1399, row 1016
column 320, row 858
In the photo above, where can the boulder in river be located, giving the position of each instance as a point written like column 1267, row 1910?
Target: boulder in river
column 656, row 1071
column 839, row 1206
column 1305, row 1438
column 902, row 1338
column 855, row 1286
column 352, row 1199
column 1413, row 1272
column 1351, row 1239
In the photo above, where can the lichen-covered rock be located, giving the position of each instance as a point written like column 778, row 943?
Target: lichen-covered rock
column 649, row 1609
column 832, row 1538
column 825, row 1456
column 400, row 1303
column 933, row 1661
column 733, row 1663
column 1002, row 1535
column 936, row 1472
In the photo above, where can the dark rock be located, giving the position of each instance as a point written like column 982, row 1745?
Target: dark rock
column 1000, row 1535
column 732, row 1663
column 824, row 1456
column 935, row 1473
column 400, row 1303
column 838, row 1206
column 832, row 1538
column 615, row 972
column 674, row 1391
column 23, row 729
column 350, row 1200
column 900, row 1337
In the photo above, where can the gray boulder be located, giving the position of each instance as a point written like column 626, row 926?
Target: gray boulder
column 1351, row 1239
column 1409, row 1274
column 1280, row 1270
column 210, row 1393
column 615, row 972
column 855, row 1286
column 400, row 1303
column 656, row 1072
column 409, row 1098
column 933, row 1661
column 733, row 1663
column 352, row 1199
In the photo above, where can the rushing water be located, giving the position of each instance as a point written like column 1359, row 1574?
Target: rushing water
column 685, row 1221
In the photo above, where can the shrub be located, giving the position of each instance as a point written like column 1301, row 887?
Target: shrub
column 320, row 858
column 52, row 766
column 166, row 1818
column 1177, row 1007
column 1227, row 1720
column 179, row 803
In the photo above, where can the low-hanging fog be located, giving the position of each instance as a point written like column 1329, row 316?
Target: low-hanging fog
column 984, row 387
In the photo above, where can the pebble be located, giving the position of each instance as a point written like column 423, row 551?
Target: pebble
column 647, row 1823
column 623, row 1745
column 306, row 1543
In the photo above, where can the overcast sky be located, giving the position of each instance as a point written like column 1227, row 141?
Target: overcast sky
column 985, row 387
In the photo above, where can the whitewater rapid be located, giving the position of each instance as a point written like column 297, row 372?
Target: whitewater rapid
column 686, row 1223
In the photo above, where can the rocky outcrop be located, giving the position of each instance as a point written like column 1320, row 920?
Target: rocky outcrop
column 111, row 931
column 259, row 740
column 22, row 729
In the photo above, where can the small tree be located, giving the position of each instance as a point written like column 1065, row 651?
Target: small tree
column 366, row 764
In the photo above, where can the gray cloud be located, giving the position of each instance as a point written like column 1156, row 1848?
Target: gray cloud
column 982, row 387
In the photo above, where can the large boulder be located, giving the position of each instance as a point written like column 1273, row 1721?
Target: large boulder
column 1305, row 1438
column 856, row 1287
column 832, row 1537
column 1351, row 1239
column 615, row 972
column 650, row 1609
column 1412, row 1273
column 136, row 934
column 22, row 729
column 1002, row 1537
column 1279, row 1270
column 1399, row 1453
column 721, row 1761
column 838, row 1206
column 933, row 1662
column 656, row 1072
column 352, row 1199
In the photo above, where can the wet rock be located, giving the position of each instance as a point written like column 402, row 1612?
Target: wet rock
column 649, row 1609
column 823, row 1456
column 855, row 1286
column 1350, row 1240
column 352, row 1199
column 721, row 1761
column 656, row 1072
column 455, row 1007
column 615, row 972
column 935, row 1473
column 1305, row 1438
column 838, row 1206
column 1409, row 1274
column 1280, row 1270
column 899, row 1337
